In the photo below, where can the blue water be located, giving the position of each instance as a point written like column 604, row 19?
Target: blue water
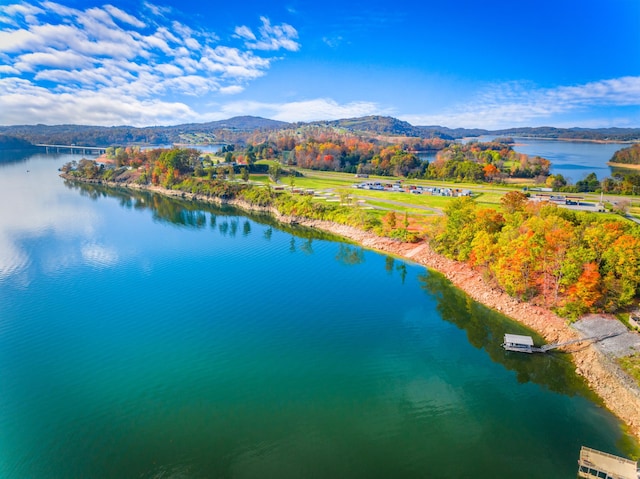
column 147, row 337
column 571, row 159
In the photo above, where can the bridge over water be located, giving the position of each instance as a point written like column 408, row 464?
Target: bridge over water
column 79, row 149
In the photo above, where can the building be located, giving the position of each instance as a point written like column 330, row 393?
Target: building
column 518, row 343
column 596, row 464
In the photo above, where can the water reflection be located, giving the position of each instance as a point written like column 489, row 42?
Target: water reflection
column 350, row 255
column 33, row 208
column 8, row 157
column 193, row 214
column 226, row 220
column 485, row 330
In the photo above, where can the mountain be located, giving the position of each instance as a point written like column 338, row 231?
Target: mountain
column 232, row 130
column 240, row 130
column 597, row 134
column 384, row 125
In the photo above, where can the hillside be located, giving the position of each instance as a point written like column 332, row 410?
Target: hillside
column 383, row 125
column 240, row 129
column 627, row 156
column 597, row 134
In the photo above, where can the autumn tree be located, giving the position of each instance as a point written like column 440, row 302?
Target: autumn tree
column 514, row 201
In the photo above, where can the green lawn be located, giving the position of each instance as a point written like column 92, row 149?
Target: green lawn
column 334, row 183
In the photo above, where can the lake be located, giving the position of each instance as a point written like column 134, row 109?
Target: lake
column 147, row 337
column 572, row 159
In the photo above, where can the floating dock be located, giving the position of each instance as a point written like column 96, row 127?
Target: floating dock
column 596, row 464
column 524, row 344
column 518, row 343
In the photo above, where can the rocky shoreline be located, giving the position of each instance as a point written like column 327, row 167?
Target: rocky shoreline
column 617, row 391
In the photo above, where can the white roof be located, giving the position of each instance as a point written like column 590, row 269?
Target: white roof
column 518, row 339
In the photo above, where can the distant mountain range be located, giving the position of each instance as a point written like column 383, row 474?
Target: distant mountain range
column 240, row 129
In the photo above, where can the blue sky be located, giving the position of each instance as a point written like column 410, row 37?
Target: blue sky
column 483, row 64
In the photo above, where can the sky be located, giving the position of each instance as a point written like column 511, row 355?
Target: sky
column 473, row 64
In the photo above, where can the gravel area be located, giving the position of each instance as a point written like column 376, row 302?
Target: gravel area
column 624, row 344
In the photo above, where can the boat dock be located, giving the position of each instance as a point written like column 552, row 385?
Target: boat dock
column 524, row 344
column 596, row 464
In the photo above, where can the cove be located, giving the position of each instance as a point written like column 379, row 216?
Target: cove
column 142, row 336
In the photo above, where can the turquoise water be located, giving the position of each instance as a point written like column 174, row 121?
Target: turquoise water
column 145, row 337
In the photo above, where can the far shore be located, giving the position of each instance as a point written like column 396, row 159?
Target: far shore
column 576, row 140
column 618, row 395
column 623, row 165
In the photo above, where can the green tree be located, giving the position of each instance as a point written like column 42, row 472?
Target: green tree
column 251, row 158
column 275, row 171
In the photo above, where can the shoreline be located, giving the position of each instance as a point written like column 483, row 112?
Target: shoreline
column 602, row 375
column 623, row 166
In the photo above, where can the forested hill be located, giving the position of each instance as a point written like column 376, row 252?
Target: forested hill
column 231, row 130
column 241, row 129
column 628, row 156
column 593, row 134
column 384, row 125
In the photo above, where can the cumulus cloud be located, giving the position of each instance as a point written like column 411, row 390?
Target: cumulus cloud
column 231, row 90
column 96, row 61
column 20, row 97
column 522, row 103
column 308, row 110
column 272, row 37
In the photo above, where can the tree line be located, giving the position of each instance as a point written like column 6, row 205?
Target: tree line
column 571, row 261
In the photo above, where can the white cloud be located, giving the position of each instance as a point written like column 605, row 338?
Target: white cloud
column 8, row 70
column 16, row 40
column 245, row 32
column 231, row 90
column 55, row 59
column 106, row 52
column 272, row 37
column 521, row 103
column 28, row 12
column 18, row 97
column 124, row 16
column 308, row 110
column 333, row 42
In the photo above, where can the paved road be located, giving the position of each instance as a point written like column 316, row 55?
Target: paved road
column 625, row 343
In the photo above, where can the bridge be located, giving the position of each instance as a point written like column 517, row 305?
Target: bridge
column 80, row 150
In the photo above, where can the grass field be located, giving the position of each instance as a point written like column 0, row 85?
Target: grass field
column 333, row 185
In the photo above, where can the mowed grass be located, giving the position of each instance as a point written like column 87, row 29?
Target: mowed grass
column 340, row 184
column 343, row 183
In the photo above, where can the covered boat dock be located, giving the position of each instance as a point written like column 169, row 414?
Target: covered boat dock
column 596, row 464
column 518, row 343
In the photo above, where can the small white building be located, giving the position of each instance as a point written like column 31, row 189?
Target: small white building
column 518, row 343
column 596, row 464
